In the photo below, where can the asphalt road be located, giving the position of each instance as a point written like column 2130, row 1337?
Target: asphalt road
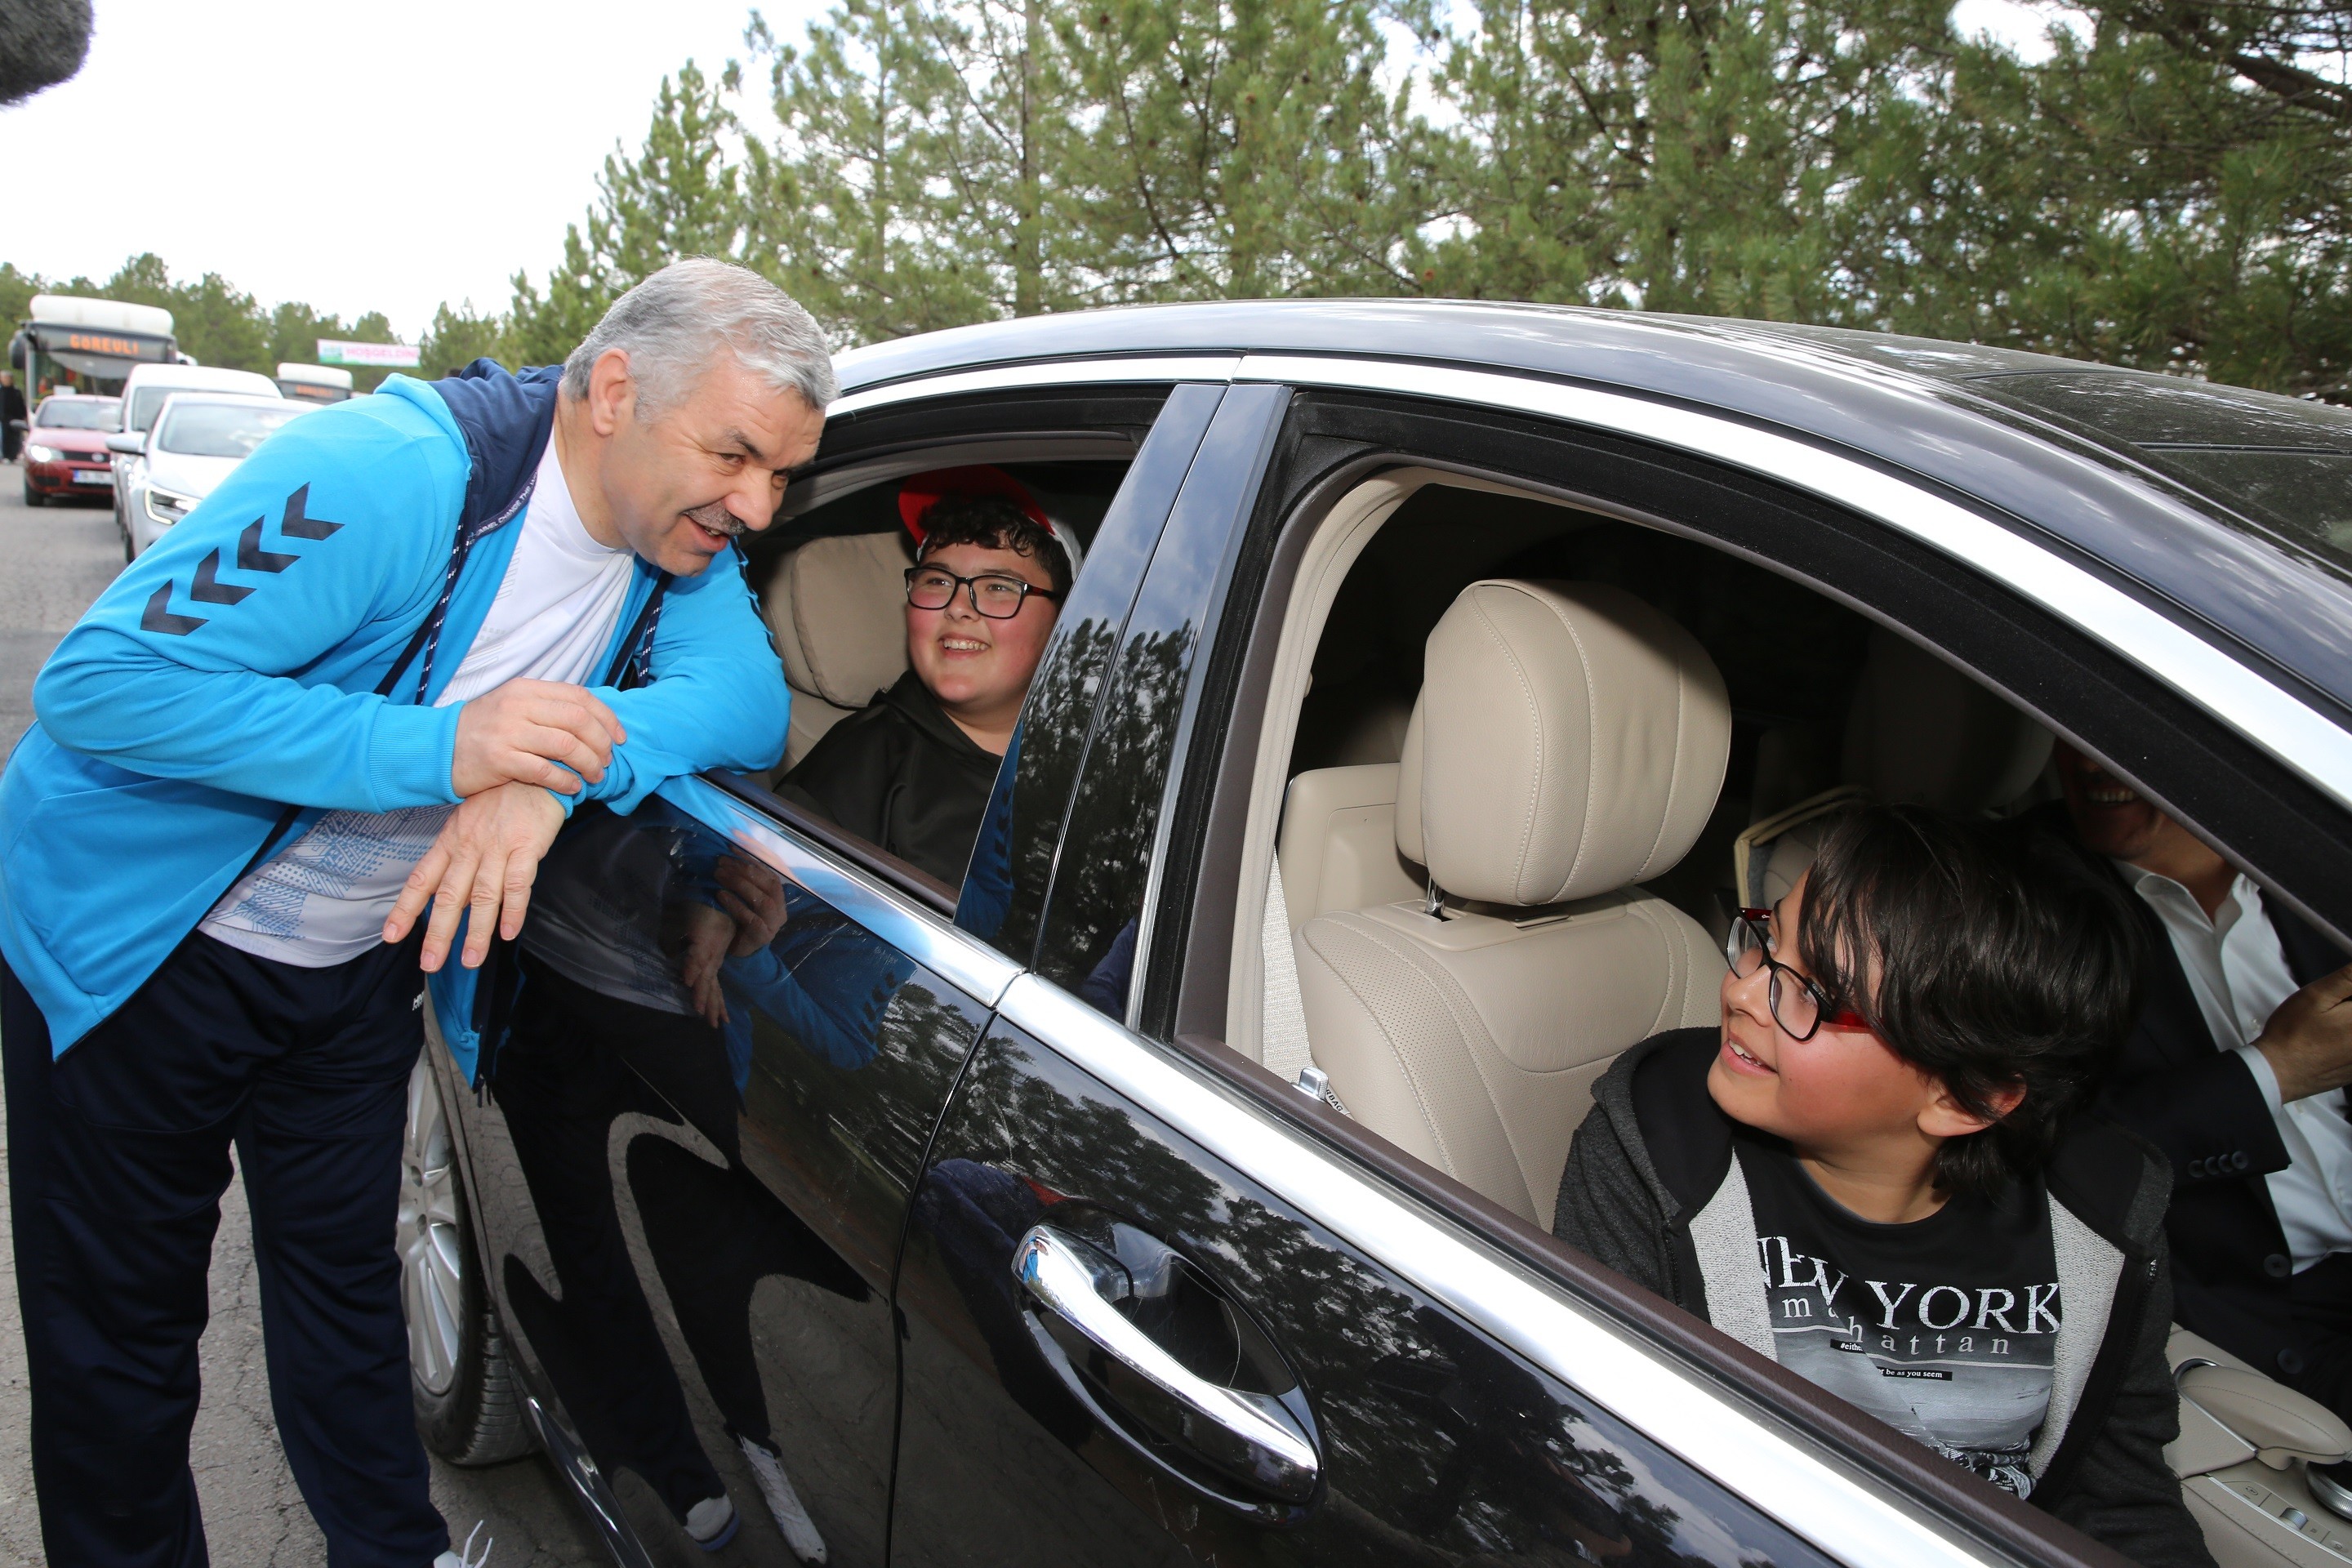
column 53, row 563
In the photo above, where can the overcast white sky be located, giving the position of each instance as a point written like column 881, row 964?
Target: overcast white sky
column 371, row 156
column 360, row 156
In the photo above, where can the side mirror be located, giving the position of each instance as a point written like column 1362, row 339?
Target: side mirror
column 129, row 443
column 19, row 424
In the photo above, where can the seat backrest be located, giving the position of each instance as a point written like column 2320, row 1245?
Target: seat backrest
column 1339, row 846
column 837, row 608
column 1918, row 733
column 1570, row 741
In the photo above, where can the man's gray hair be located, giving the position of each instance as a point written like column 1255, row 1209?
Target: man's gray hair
column 678, row 322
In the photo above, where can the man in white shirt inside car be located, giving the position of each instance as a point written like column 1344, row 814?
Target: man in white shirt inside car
column 2236, row 1071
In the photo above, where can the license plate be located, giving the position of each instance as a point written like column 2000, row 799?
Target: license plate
column 93, row 476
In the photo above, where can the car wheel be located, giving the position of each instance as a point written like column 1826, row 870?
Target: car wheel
column 468, row 1409
column 34, row 497
column 130, row 548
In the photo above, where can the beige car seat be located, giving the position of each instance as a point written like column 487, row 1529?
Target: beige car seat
column 1570, row 741
column 836, row 607
column 1918, row 733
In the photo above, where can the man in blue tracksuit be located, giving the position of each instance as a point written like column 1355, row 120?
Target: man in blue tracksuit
column 367, row 679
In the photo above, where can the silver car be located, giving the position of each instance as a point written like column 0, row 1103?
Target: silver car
column 196, row 439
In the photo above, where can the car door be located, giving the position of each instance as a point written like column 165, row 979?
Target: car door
column 694, row 1143
column 1159, row 1306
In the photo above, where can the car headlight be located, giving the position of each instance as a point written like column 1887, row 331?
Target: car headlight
column 168, row 507
column 43, row 454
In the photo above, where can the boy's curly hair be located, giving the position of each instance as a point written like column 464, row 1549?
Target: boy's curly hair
column 1991, row 954
column 994, row 522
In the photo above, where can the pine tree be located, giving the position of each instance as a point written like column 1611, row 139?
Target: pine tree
column 680, row 196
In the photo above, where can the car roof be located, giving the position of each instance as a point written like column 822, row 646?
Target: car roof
column 187, row 396
column 1974, row 420
column 198, row 376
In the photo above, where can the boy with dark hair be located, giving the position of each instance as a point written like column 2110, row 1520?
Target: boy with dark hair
column 1870, row 1174
column 912, row 771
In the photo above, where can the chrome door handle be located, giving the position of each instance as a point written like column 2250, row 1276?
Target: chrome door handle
column 1059, row 1272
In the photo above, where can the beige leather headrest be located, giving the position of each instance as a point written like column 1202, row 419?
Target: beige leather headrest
column 1922, row 733
column 1569, row 739
column 838, row 609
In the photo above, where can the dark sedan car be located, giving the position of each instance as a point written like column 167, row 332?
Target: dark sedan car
column 1179, row 1185
column 65, row 449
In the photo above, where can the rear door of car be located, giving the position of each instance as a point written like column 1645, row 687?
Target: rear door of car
column 1159, row 1306
column 692, row 1200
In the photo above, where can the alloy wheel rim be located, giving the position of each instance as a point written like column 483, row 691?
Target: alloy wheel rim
column 432, row 1260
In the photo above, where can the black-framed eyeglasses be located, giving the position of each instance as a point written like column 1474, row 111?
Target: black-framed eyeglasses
column 1799, row 1006
column 995, row 595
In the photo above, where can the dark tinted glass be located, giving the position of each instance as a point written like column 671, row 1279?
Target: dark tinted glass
column 2276, row 461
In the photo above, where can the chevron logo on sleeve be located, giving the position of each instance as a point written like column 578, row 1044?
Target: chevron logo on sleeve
column 296, row 522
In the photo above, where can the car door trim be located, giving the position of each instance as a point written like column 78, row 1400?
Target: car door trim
column 1046, row 372
column 1851, row 1520
column 2272, row 718
column 961, row 959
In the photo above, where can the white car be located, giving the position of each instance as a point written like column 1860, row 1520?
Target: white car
column 143, row 393
column 198, row 436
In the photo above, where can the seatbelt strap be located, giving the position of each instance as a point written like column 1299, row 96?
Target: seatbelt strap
column 1282, row 1031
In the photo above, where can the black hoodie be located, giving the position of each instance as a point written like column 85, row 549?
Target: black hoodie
column 899, row 773
column 1653, row 1191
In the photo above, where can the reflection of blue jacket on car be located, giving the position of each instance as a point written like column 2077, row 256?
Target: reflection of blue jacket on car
column 246, row 661
column 826, row 980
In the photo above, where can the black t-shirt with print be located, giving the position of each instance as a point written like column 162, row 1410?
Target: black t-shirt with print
column 1944, row 1328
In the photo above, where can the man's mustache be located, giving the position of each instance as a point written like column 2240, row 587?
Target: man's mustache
column 718, row 520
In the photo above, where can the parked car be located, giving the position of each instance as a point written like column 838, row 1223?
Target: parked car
column 1048, row 1219
column 198, row 436
column 65, row 448
column 143, row 392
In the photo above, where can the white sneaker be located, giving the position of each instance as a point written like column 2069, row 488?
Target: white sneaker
column 799, row 1531
column 712, row 1521
column 465, row 1558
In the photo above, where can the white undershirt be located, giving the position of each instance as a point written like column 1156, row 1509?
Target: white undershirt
column 2240, row 975
column 325, row 899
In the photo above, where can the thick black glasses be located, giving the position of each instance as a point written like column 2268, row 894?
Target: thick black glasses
column 995, row 595
column 1799, row 1006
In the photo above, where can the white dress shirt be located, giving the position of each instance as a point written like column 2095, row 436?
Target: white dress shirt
column 2239, row 974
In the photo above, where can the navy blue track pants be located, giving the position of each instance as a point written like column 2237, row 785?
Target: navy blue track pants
column 118, row 1156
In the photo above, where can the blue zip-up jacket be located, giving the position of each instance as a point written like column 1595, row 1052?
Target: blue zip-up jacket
column 232, row 670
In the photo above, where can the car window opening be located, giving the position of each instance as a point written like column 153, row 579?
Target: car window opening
column 1466, row 1026
column 834, row 587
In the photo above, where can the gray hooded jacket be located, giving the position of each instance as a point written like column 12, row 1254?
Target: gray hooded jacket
column 1654, row 1189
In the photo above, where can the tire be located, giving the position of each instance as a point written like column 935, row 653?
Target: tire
column 34, row 497
column 129, row 549
column 468, row 1410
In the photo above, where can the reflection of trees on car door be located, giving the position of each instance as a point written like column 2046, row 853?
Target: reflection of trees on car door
column 1436, row 1446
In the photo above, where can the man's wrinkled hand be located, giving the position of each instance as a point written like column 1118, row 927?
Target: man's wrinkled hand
column 484, row 862
column 521, row 731
column 2308, row 1041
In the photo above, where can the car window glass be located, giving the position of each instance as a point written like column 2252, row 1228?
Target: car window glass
column 78, row 414
column 146, row 404
column 2279, row 462
column 219, row 429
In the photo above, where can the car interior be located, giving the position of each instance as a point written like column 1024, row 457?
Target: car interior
column 1448, row 927
column 1450, row 931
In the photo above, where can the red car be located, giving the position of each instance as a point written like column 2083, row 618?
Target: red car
column 65, row 448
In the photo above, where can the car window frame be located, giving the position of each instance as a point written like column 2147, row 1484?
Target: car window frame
column 1312, row 470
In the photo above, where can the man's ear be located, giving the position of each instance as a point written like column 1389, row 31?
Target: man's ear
column 612, row 391
column 1945, row 1117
